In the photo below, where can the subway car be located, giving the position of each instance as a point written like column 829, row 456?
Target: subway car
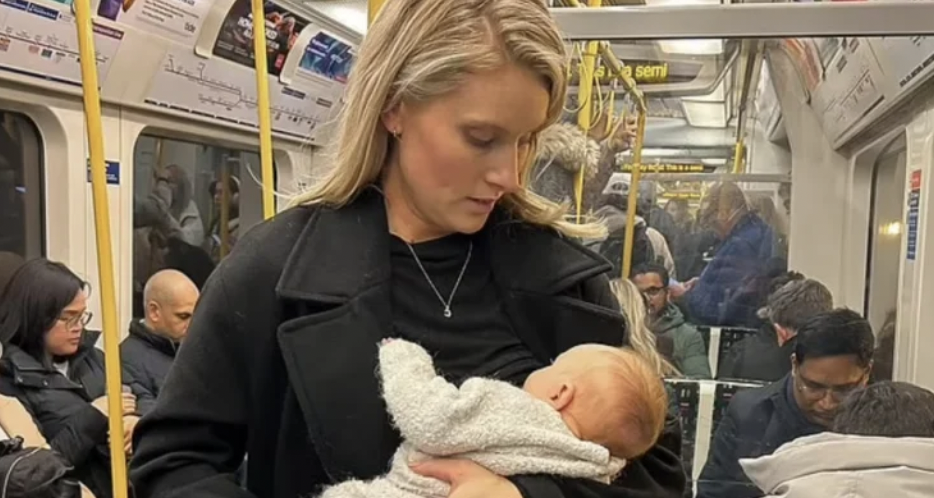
column 821, row 117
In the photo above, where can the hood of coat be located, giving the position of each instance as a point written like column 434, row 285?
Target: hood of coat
column 831, row 465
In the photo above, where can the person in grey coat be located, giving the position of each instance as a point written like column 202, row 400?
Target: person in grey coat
column 148, row 352
column 666, row 320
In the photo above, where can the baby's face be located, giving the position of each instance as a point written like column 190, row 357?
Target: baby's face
column 589, row 386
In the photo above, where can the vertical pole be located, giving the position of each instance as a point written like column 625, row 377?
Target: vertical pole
column 92, row 114
column 262, row 107
column 635, row 178
column 372, row 8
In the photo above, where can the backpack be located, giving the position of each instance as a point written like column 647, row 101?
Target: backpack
column 642, row 252
column 34, row 473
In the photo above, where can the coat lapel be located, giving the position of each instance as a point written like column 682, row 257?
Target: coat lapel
column 336, row 280
column 542, row 277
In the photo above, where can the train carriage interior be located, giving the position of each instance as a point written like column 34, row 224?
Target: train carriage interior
column 813, row 120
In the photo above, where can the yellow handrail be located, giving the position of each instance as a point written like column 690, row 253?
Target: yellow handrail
column 585, row 100
column 635, row 178
column 262, row 107
column 92, row 113
column 372, row 8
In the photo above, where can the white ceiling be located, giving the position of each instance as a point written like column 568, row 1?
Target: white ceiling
column 350, row 13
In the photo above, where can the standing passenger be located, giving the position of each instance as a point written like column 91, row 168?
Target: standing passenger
column 147, row 353
column 424, row 230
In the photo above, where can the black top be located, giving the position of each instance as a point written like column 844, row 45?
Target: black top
column 477, row 340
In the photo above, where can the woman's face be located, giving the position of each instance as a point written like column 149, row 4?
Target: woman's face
column 64, row 337
column 459, row 154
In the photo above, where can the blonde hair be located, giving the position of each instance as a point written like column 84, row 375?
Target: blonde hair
column 418, row 50
column 641, row 338
column 621, row 383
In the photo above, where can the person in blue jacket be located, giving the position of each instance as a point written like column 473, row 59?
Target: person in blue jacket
column 718, row 295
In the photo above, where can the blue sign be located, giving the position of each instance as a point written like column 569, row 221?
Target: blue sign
column 113, row 172
column 914, row 202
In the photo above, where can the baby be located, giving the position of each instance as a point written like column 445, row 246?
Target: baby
column 581, row 417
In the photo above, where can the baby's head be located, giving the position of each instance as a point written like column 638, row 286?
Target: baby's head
column 606, row 395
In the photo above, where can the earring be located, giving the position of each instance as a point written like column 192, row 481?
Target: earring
column 396, row 134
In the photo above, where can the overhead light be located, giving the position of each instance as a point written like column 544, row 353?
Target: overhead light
column 705, row 114
column 692, row 47
column 720, row 161
column 718, row 94
column 891, row 229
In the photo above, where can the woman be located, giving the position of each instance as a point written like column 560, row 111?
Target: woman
column 52, row 367
column 422, row 230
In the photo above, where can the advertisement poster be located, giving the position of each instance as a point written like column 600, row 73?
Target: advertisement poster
column 178, row 20
column 327, row 57
column 914, row 203
column 235, row 40
column 43, row 42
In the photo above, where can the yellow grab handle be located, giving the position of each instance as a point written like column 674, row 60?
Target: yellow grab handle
column 262, row 107
column 92, row 113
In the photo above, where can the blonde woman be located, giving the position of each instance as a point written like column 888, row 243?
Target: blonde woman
column 423, row 230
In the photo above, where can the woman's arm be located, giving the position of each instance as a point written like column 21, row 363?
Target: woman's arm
column 193, row 441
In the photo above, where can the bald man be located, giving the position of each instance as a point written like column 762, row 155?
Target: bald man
column 169, row 299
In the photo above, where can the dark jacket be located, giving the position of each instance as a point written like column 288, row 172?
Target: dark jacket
column 740, row 258
column 145, row 358
column 757, row 422
column 689, row 353
column 758, row 358
column 62, row 407
column 289, row 375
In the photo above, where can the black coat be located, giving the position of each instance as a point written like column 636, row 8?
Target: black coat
column 281, row 355
column 62, row 407
column 757, row 422
column 146, row 359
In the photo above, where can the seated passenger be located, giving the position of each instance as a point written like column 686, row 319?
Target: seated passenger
column 666, row 320
column 149, row 349
column 764, row 356
column 51, row 366
column 580, row 417
column 746, row 245
column 832, row 358
column 883, row 447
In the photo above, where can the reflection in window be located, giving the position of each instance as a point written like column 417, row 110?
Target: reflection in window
column 21, row 219
column 191, row 204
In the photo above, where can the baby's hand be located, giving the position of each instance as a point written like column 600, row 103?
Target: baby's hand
column 386, row 341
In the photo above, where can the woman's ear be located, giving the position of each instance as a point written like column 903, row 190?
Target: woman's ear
column 392, row 120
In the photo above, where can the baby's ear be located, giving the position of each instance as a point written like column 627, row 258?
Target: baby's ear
column 561, row 396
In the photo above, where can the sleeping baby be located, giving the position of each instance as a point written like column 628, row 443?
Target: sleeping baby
column 581, row 417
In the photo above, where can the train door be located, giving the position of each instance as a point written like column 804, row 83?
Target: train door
column 886, row 238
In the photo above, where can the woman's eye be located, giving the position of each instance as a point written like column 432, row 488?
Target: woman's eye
column 480, row 142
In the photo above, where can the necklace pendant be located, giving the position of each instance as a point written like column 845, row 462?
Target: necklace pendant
column 447, row 312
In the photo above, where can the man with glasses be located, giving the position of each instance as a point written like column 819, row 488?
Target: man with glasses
column 665, row 320
column 832, row 358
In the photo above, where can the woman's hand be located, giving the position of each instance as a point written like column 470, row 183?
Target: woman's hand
column 467, row 479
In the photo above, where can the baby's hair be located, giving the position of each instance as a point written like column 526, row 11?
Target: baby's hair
column 641, row 412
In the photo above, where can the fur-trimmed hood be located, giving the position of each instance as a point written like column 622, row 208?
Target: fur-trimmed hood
column 566, row 145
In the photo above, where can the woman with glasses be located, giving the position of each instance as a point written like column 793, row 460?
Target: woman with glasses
column 50, row 364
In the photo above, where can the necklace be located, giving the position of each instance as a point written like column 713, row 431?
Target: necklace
column 445, row 303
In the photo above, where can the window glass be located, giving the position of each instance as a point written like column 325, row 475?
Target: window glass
column 191, row 204
column 21, row 215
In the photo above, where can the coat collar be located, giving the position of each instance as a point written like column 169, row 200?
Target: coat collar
column 347, row 251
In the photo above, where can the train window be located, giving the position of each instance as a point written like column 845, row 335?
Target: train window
column 22, row 224
column 191, row 203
